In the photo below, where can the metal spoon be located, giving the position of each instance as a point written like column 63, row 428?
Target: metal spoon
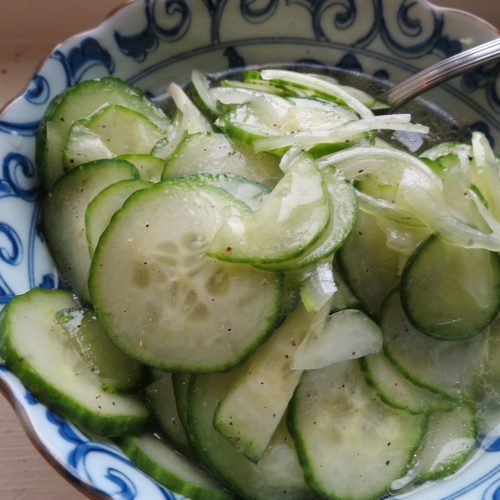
column 440, row 72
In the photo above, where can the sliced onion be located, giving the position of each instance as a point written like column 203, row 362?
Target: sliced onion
column 387, row 210
column 340, row 133
column 202, row 86
column 432, row 210
column 320, row 84
column 386, row 164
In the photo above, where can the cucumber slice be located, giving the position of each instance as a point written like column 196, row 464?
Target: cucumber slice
column 445, row 149
column 162, row 300
column 289, row 221
column 350, row 444
column 263, row 116
column 256, row 401
column 451, row 292
column 249, row 192
column 193, row 120
column 398, row 391
column 347, row 334
column 343, row 298
column 63, row 216
column 117, row 372
column 180, row 383
column 369, row 267
column 149, row 167
column 153, row 456
column 438, row 365
column 215, row 154
column 160, row 398
column 342, row 220
column 100, row 210
column 111, row 131
column 448, row 443
column 277, row 475
column 188, row 120
column 166, row 146
column 36, row 348
column 79, row 102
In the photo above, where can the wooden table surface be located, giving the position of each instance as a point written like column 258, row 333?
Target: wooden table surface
column 28, row 30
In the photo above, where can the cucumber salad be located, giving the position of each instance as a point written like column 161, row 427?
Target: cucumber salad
column 261, row 298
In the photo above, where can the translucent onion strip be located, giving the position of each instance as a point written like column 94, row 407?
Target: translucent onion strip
column 341, row 133
column 387, row 210
column 202, row 86
column 386, row 164
column 434, row 212
column 320, row 84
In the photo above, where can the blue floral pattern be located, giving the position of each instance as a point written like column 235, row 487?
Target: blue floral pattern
column 151, row 41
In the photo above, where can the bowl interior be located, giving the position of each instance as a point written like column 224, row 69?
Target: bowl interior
column 150, row 43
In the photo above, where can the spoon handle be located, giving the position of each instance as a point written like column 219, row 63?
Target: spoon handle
column 441, row 72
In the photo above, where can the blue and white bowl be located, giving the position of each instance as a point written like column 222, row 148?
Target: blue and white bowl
column 152, row 42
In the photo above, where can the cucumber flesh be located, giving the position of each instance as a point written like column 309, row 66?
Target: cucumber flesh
column 370, row 268
column 213, row 153
column 188, row 120
column 153, row 456
column 159, row 396
column 289, row 221
column 36, row 348
column 104, row 205
column 113, row 130
column 149, row 167
column 180, row 383
column 261, row 115
column 63, row 217
column 451, row 292
column 277, row 475
column 398, row 391
column 344, row 208
column 351, row 445
column 251, row 193
column 449, row 441
column 256, row 401
column 343, row 298
column 162, row 300
column 439, row 365
column 347, row 334
column 117, row 372
column 79, row 102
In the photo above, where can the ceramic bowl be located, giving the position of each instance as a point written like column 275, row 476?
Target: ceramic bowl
column 152, row 42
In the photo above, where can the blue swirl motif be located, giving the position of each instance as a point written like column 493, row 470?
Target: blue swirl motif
column 39, row 90
column 138, row 46
column 412, row 29
column 484, row 77
column 12, row 256
column 83, row 58
column 255, row 14
column 345, row 14
column 126, row 489
column 19, row 177
column 215, row 9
